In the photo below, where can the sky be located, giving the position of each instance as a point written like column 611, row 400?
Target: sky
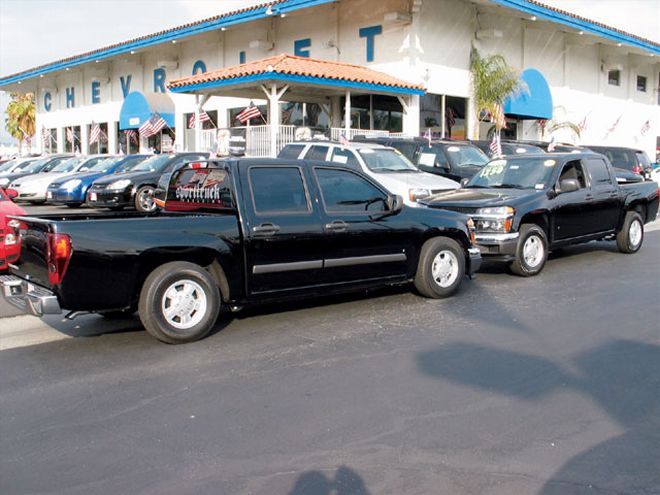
column 34, row 32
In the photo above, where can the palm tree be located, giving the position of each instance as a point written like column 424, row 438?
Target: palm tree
column 21, row 121
column 493, row 80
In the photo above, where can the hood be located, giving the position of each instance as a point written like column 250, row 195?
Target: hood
column 414, row 180
column 479, row 198
column 8, row 207
column 41, row 178
column 132, row 176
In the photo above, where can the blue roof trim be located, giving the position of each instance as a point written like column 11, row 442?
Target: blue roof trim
column 536, row 103
column 320, row 81
column 175, row 34
column 576, row 23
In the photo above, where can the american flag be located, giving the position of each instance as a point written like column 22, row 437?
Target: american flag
column 552, row 145
column 495, row 146
column 343, row 140
column 131, row 135
column 203, row 117
column 70, row 135
column 250, row 112
column 153, row 125
column 542, row 123
column 45, row 137
column 95, row 133
column 615, row 125
column 583, row 124
column 645, row 128
column 499, row 118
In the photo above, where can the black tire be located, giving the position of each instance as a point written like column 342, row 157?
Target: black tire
column 625, row 238
column 144, row 199
column 537, row 238
column 74, row 205
column 434, row 252
column 153, row 301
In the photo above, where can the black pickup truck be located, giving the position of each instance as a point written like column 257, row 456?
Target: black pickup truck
column 234, row 233
column 526, row 205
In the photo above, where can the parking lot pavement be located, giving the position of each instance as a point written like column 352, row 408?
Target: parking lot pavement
column 546, row 385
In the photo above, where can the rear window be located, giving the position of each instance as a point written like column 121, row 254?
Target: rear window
column 198, row 189
column 291, row 151
column 598, row 171
column 278, row 189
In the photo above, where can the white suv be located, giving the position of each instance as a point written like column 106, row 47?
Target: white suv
column 385, row 165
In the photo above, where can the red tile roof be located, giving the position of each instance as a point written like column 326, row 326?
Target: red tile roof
column 298, row 66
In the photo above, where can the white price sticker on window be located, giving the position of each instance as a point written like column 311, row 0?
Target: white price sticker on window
column 427, row 159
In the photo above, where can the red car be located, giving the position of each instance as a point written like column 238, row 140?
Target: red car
column 9, row 242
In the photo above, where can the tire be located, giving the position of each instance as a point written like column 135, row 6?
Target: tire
column 532, row 251
column 440, row 269
column 160, row 291
column 631, row 236
column 74, row 205
column 144, row 200
column 37, row 202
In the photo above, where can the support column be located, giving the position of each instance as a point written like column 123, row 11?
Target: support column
column 273, row 118
column 112, row 138
column 84, row 139
column 443, row 112
column 59, row 132
column 335, row 111
column 347, row 115
column 410, row 106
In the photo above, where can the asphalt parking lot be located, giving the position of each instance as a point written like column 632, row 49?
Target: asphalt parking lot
column 548, row 385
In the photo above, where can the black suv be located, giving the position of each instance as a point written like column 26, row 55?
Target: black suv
column 630, row 159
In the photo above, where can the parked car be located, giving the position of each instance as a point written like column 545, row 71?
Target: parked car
column 512, row 147
column 14, row 165
column 636, row 161
column 71, row 190
column 136, row 187
column 385, row 165
column 240, row 232
column 525, row 206
column 33, row 188
column 33, row 167
column 9, row 240
column 456, row 160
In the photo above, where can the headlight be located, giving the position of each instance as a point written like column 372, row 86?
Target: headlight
column 497, row 219
column 14, row 224
column 71, row 184
column 10, row 239
column 417, row 194
column 119, row 184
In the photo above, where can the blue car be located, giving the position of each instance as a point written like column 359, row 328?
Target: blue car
column 71, row 190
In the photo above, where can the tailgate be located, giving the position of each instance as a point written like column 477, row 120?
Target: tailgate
column 32, row 264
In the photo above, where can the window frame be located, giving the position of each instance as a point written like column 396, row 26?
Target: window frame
column 578, row 162
column 309, row 148
column 645, row 85
column 618, row 78
column 324, row 205
column 592, row 181
column 309, row 211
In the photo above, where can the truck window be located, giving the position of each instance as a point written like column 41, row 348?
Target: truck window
column 573, row 170
column 345, row 157
column 278, row 189
column 598, row 171
column 291, row 151
column 196, row 189
column 317, row 153
column 344, row 191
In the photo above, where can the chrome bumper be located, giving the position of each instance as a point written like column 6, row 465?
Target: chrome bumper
column 475, row 260
column 28, row 297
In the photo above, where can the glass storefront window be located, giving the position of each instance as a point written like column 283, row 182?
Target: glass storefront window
column 304, row 114
column 72, row 139
column 454, row 116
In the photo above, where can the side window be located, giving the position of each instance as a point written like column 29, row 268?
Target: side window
column 291, row 151
column 598, row 171
column 278, row 189
column 317, row 153
column 573, row 170
column 345, row 157
column 346, row 192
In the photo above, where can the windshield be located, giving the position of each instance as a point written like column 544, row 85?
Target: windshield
column 104, row 165
column 521, row 173
column 518, row 149
column 130, row 163
column 67, row 165
column 7, row 166
column 386, row 160
column 35, row 166
column 154, row 164
column 462, row 155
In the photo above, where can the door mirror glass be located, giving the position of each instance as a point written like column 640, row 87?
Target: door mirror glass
column 464, row 181
column 568, row 185
column 394, row 203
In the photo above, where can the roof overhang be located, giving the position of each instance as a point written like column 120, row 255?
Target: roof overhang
column 535, row 102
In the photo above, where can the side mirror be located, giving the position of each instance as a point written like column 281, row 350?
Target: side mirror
column 394, row 203
column 12, row 193
column 464, row 181
column 568, row 185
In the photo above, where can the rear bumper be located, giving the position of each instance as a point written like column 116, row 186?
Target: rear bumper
column 30, row 298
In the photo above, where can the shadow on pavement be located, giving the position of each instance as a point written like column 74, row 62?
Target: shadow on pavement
column 345, row 482
column 622, row 376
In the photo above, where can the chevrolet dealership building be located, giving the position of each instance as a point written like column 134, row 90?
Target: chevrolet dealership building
column 354, row 67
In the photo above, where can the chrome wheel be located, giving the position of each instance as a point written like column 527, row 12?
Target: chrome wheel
column 145, row 199
column 445, row 268
column 635, row 233
column 533, row 251
column 184, row 304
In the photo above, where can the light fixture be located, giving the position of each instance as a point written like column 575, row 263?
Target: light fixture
column 533, row 18
column 97, row 61
column 20, row 82
column 67, row 68
column 618, row 44
column 581, row 33
column 269, row 10
column 282, row 16
column 41, row 76
column 132, row 52
column 223, row 29
column 173, row 42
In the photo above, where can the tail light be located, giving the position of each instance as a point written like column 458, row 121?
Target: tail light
column 58, row 256
column 637, row 169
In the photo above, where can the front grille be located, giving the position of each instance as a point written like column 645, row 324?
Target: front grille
column 460, row 209
column 54, row 185
column 97, row 187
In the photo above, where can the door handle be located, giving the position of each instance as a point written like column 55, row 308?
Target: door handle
column 266, row 228
column 336, row 226
column 588, row 197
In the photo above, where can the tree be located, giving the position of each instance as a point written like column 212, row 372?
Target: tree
column 21, row 118
column 493, row 80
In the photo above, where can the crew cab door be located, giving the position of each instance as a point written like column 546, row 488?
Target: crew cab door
column 604, row 200
column 570, row 208
column 362, row 242
column 282, row 228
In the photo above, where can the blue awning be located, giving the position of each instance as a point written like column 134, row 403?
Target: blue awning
column 137, row 109
column 536, row 103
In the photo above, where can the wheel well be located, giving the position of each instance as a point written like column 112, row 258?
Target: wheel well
column 204, row 257
column 640, row 208
column 540, row 219
column 457, row 235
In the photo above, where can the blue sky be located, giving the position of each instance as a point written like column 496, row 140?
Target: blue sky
column 33, row 32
